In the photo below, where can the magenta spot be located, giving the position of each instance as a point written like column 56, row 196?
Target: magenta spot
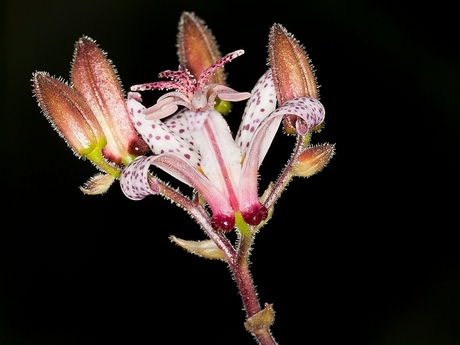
column 167, row 137
column 157, row 137
column 187, row 156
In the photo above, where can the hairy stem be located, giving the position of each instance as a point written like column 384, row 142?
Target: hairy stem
column 246, row 287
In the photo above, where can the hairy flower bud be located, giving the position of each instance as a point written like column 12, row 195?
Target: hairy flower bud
column 313, row 160
column 96, row 80
column 197, row 50
column 72, row 118
column 197, row 47
column 68, row 114
column 292, row 73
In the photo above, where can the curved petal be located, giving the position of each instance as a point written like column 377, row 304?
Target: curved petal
column 310, row 110
column 259, row 106
column 135, row 181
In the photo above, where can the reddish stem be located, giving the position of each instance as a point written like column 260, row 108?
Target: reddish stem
column 247, row 289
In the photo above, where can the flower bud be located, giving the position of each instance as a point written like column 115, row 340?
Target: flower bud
column 68, row 114
column 313, row 160
column 72, row 118
column 197, row 47
column 292, row 73
column 94, row 77
column 198, row 51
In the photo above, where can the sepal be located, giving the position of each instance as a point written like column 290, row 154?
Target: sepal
column 98, row 184
column 206, row 249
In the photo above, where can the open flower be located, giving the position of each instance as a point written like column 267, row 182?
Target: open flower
column 196, row 146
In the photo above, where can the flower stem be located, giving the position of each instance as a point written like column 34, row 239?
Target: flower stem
column 246, row 287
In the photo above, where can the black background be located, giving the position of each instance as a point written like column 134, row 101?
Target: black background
column 364, row 252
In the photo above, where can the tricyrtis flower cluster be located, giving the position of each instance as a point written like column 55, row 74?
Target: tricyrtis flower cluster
column 186, row 135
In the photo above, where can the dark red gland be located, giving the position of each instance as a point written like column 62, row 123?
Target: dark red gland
column 255, row 214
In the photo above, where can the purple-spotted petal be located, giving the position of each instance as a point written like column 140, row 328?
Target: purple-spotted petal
column 259, row 106
column 310, row 110
column 196, row 119
column 159, row 137
column 135, row 181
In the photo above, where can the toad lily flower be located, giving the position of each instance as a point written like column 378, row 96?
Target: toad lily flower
column 195, row 145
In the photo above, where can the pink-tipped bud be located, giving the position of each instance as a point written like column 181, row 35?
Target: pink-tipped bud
column 313, row 160
column 68, row 114
column 94, row 77
column 292, row 73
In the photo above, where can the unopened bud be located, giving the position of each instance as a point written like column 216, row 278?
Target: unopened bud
column 197, row 47
column 94, row 77
column 313, row 160
column 292, row 73
column 68, row 114
column 72, row 118
column 198, row 50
